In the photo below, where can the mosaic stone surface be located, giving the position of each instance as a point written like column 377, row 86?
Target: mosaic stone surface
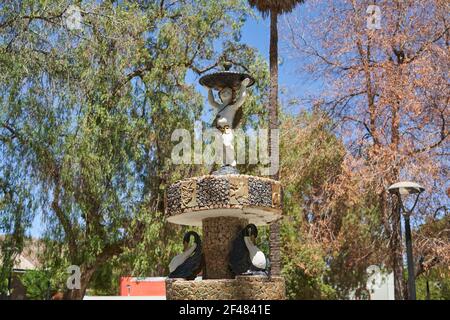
column 212, row 191
column 226, row 191
column 173, row 197
column 260, row 192
column 218, row 235
column 241, row 288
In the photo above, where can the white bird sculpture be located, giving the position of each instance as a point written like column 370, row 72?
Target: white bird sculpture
column 188, row 263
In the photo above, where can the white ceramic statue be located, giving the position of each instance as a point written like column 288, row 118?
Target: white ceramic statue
column 182, row 257
column 257, row 257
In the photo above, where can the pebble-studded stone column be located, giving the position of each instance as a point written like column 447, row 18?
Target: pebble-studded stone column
column 218, row 236
column 241, row 288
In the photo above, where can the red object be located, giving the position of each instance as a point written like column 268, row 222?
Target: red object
column 135, row 286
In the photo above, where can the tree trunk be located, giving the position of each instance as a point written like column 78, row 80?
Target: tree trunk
column 78, row 294
column 400, row 288
column 274, row 228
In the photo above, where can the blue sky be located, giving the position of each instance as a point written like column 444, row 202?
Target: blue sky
column 256, row 33
column 292, row 84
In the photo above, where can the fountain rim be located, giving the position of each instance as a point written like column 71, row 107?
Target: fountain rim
column 260, row 216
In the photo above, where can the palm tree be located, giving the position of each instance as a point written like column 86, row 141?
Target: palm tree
column 274, row 8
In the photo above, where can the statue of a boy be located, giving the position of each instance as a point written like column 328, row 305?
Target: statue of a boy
column 228, row 115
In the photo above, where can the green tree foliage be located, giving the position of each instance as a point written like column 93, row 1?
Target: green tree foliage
column 438, row 285
column 327, row 232
column 309, row 148
column 37, row 284
column 86, row 118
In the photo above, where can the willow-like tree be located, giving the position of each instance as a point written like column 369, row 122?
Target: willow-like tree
column 274, row 8
column 86, row 115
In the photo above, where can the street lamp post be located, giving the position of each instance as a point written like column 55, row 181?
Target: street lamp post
column 410, row 260
column 404, row 189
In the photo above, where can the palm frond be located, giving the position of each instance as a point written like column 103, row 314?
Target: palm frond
column 279, row 6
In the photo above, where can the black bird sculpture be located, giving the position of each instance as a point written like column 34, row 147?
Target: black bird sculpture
column 188, row 264
column 245, row 257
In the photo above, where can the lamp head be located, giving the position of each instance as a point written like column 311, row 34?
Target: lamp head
column 406, row 188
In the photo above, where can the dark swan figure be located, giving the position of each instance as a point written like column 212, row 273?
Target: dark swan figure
column 188, row 263
column 245, row 257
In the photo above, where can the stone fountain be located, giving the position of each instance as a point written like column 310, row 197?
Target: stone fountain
column 223, row 203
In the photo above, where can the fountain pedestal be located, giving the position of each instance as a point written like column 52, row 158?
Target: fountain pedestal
column 223, row 205
column 218, row 236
